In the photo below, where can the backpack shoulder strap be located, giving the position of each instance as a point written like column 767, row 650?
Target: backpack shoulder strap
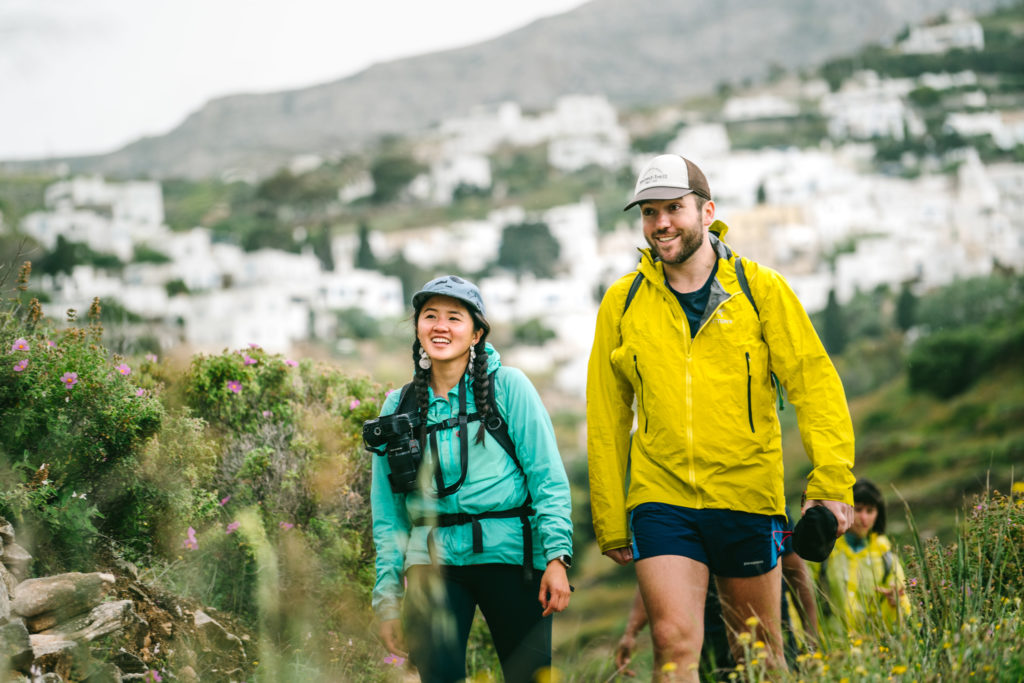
column 498, row 427
column 741, row 278
column 632, row 291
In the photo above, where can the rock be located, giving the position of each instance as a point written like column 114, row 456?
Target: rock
column 5, row 605
column 17, row 559
column 103, row 672
column 188, row 674
column 129, row 663
column 7, row 580
column 64, row 595
column 103, row 619
column 6, row 531
column 56, row 654
column 15, row 646
column 214, row 638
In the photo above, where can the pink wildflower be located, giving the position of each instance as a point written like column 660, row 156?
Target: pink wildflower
column 124, row 369
column 19, row 344
column 285, row 525
column 353, row 404
column 249, row 360
column 152, row 676
column 51, row 344
column 234, row 386
column 21, row 365
column 290, row 362
column 69, row 379
column 225, row 499
column 253, row 346
column 267, row 414
column 913, row 582
column 232, row 527
column 394, row 660
column 190, row 542
column 151, row 357
column 140, row 392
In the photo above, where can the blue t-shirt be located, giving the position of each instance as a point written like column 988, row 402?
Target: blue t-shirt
column 695, row 302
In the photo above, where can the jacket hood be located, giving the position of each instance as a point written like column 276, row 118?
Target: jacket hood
column 493, row 358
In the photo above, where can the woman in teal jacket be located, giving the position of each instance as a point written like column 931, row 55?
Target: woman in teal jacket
column 470, row 499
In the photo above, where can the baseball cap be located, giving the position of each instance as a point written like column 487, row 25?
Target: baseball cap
column 669, row 176
column 814, row 535
column 453, row 286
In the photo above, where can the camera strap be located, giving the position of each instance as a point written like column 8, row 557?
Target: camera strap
column 462, row 422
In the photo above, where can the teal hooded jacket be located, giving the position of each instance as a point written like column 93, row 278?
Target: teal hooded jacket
column 493, row 483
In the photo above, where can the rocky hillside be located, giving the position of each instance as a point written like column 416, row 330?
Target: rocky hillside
column 636, row 52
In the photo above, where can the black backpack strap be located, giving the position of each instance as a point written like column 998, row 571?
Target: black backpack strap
column 498, row 427
column 741, row 278
column 632, row 291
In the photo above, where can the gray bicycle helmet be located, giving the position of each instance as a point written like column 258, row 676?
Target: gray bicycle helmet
column 453, row 286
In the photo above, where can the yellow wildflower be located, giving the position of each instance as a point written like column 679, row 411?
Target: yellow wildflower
column 751, row 622
column 669, row 666
column 759, row 645
column 744, row 638
column 899, row 669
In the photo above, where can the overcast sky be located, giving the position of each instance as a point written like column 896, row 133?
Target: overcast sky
column 87, row 76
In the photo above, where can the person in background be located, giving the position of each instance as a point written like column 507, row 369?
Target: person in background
column 470, row 499
column 862, row 580
column 695, row 338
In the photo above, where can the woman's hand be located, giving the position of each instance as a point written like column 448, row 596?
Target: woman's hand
column 892, row 594
column 554, row 588
column 391, row 633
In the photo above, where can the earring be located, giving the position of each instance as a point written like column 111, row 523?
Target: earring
column 424, row 361
column 472, row 355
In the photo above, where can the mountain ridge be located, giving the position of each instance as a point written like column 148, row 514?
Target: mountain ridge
column 635, row 52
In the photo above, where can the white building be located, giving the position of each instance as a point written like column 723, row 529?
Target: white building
column 958, row 31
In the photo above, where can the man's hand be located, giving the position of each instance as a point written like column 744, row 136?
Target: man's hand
column 622, row 556
column 554, row 588
column 391, row 633
column 842, row 511
column 624, row 653
column 892, row 594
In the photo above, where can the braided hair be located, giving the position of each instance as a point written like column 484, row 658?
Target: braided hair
column 478, row 375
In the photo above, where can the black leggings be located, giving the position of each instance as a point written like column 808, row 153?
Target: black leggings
column 438, row 611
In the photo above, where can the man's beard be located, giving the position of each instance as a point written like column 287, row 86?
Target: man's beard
column 690, row 241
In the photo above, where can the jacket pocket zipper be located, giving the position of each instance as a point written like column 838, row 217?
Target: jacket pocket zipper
column 750, row 406
column 643, row 408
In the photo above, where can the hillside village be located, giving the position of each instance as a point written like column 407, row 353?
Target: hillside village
column 821, row 214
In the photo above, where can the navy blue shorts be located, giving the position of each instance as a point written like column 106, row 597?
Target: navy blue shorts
column 730, row 543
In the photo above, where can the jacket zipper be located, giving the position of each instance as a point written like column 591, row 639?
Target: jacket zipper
column 750, row 407
column 643, row 408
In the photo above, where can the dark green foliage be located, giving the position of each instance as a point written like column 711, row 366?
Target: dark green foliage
column 946, row 363
column 653, row 143
column 364, row 254
column 392, row 172
column 147, row 254
column 834, row 333
column 533, row 333
column 906, row 309
column 357, row 324
column 529, row 248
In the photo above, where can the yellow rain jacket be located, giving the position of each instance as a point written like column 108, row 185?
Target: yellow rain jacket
column 852, row 579
column 707, row 433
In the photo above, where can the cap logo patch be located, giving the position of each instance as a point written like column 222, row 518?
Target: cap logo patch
column 653, row 176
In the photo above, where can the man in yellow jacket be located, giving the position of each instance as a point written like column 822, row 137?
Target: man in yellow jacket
column 697, row 355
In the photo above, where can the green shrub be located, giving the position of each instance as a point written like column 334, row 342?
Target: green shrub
column 71, row 423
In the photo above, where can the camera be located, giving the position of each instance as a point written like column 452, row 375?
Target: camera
column 396, row 435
